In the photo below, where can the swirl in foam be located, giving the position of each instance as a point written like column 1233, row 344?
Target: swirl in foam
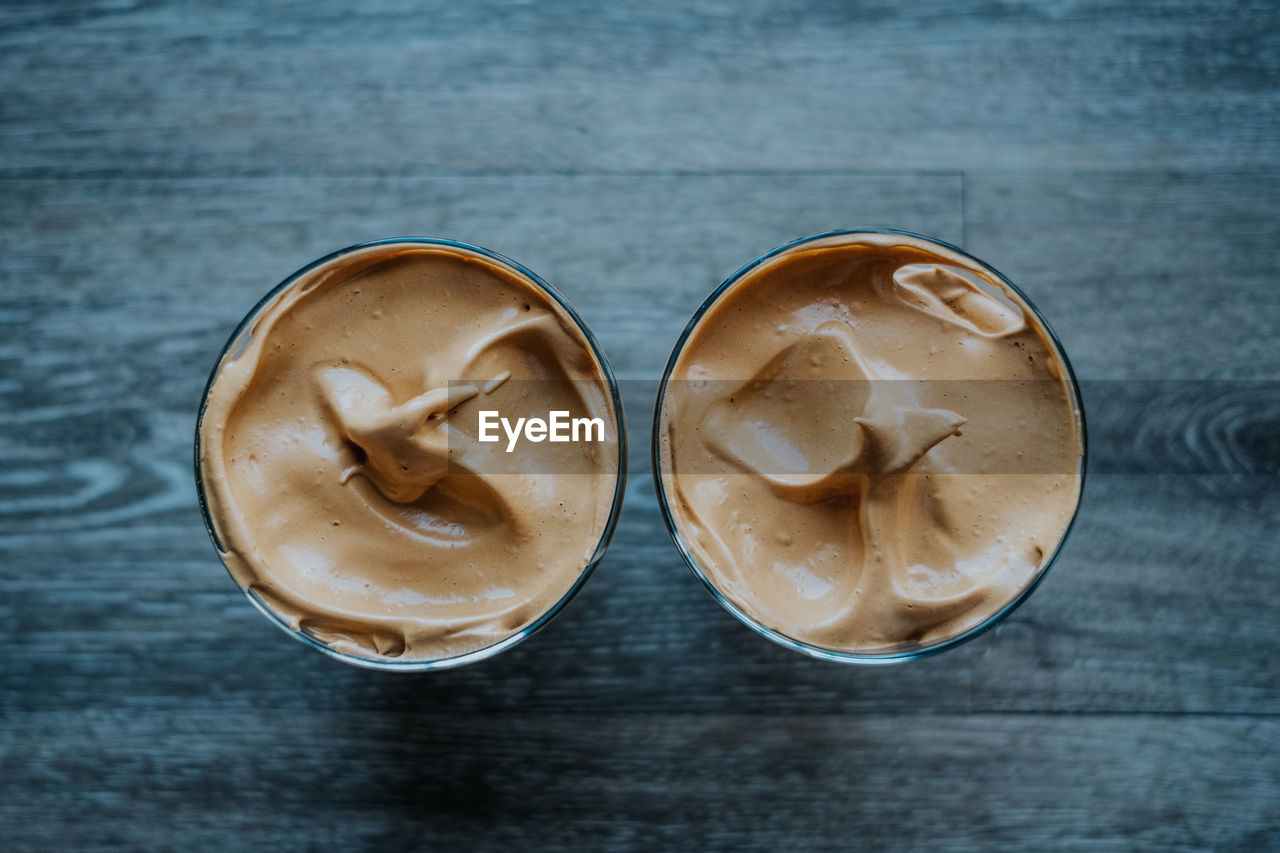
column 340, row 465
column 865, row 449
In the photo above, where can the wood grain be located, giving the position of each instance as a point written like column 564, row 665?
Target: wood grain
column 1144, row 275
column 425, row 780
column 163, row 164
column 496, row 87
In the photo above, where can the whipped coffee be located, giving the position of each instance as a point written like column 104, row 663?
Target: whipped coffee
column 869, row 442
column 341, row 469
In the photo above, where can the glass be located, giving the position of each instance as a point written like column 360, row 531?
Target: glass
column 239, row 340
column 896, row 654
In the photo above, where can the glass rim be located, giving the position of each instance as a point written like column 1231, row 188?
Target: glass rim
column 606, row 534
column 894, row 654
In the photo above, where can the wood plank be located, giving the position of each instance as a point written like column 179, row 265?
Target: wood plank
column 1143, row 275
column 143, row 617
column 153, row 274
column 111, row 88
column 202, row 777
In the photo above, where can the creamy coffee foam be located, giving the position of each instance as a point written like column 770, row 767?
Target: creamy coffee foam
column 864, row 449
column 340, row 465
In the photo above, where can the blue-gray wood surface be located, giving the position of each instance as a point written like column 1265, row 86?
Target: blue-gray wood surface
column 163, row 164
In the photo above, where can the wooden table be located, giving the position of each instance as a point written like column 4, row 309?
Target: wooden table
column 164, row 164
